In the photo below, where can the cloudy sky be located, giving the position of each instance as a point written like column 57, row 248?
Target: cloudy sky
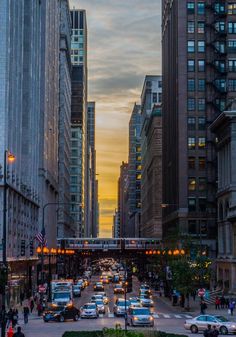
column 124, row 44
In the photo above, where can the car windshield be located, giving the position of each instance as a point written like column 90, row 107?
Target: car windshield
column 122, row 304
column 222, row 319
column 146, row 297
column 141, row 312
column 144, row 287
column 61, row 295
column 118, row 286
column 99, row 302
column 77, row 287
column 89, row 306
column 98, row 284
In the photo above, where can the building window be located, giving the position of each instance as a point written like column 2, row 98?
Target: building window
column 192, row 204
column 201, row 104
column 74, row 180
column 191, row 84
column 159, row 97
column 201, row 142
column 81, row 59
column 201, row 8
column 201, row 65
column 202, row 184
column 74, row 153
column 159, row 84
column 201, row 27
column 191, row 123
column 232, row 65
column 81, row 45
column 232, row 85
column 191, row 104
column 138, row 176
column 231, row 46
column 201, row 46
column 138, row 167
column 190, row 7
column 202, row 204
column 191, row 65
column 192, row 184
column 201, row 123
column 231, row 27
column 75, row 134
column 202, row 163
column 203, row 227
column 220, row 26
column 192, row 227
column 232, row 8
column 201, row 85
column 75, row 58
column 154, row 97
column 191, row 143
column 190, row 27
column 191, row 46
column 191, row 163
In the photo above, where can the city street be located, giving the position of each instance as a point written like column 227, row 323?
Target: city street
column 166, row 318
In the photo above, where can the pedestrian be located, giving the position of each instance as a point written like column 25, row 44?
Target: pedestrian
column 19, row 333
column 215, row 332
column 31, row 305
column 226, row 303
column 231, row 307
column 222, row 302
column 217, row 303
column 9, row 317
column 22, row 297
column 203, row 307
column 26, row 314
column 208, row 331
column 14, row 317
column 39, row 308
column 194, row 295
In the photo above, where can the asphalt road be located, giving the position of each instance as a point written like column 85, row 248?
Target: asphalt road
column 166, row 319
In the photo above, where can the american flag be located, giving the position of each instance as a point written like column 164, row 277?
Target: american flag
column 40, row 237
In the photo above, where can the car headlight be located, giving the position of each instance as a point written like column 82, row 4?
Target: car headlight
column 233, row 326
column 151, row 302
column 151, row 318
column 135, row 318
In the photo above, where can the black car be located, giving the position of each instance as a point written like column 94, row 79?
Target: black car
column 61, row 313
column 98, row 286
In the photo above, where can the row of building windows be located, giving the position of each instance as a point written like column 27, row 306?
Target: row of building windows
column 194, row 162
column 200, row 65
column 219, row 26
column 156, row 97
column 191, row 104
column 220, row 46
column 200, row 46
column 77, row 32
column 201, row 84
column 192, row 123
column 197, row 228
column 76, row 59
column 200, row 8
column 194, row 184
column 200, row 142
column 197, row 204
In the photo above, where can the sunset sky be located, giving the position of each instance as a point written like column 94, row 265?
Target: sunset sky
column 124, row 44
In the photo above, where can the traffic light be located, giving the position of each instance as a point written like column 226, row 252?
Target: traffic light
column 22, row 248
column 31, row 248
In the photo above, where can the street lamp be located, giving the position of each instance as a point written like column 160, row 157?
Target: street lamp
column 8, row 158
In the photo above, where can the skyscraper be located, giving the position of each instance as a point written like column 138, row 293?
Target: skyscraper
column 79, row 162
column 198, row 82
column 132, row 228
column 123, row 196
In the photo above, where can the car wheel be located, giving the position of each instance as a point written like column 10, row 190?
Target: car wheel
column 223, row 330
column 194, row 329
column 61, row 319
column 45, row 321
column 76, row 318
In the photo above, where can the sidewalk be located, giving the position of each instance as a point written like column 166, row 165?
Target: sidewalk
column 195, row 308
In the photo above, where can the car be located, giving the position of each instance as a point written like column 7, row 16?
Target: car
column 120, row 307
column 98, row 286
column 76, row 290
column 60, row 313
column 118, row 289
column 139, row 317
column 135, row 302
column 116, row 278
column 199, row 323
column 89, row 310
column 104, row 280
column 100, row 306
column 105, row 298
column 146, row 301
column 145, row 291
column 81, row 284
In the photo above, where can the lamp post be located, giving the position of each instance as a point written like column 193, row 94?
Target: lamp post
column 8, row 157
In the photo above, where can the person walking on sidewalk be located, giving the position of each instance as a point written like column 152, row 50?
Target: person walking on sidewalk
column 31, row 305
column 231, row 307
column 217, row 303
column 203, row 307
column 19, row 333
column 14, row 317
column 26, row 314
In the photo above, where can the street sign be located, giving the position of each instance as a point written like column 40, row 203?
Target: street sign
column 201, row 292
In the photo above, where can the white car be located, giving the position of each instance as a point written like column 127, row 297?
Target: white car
column 146, row 301
column 100, row 306
column 89, row 310
column 200, row 323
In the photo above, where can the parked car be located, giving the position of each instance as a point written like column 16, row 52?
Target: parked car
column 89, row 310
column 118, row 289
column 61, row 313
column 98, row 286
column 140, row 316
column 199, row 323
column 120, row 306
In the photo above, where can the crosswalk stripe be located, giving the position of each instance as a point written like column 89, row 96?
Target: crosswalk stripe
column 188, row 316
column 101, row 315
column 178, row 316
column 155, row 316
column 111, row 315
column 166, row 316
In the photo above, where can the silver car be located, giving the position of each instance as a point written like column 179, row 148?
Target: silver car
column 89, row 310
column 200, row 323
column 140, row 316
column 100, row 306
column 146, row 301
column 120, row 306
